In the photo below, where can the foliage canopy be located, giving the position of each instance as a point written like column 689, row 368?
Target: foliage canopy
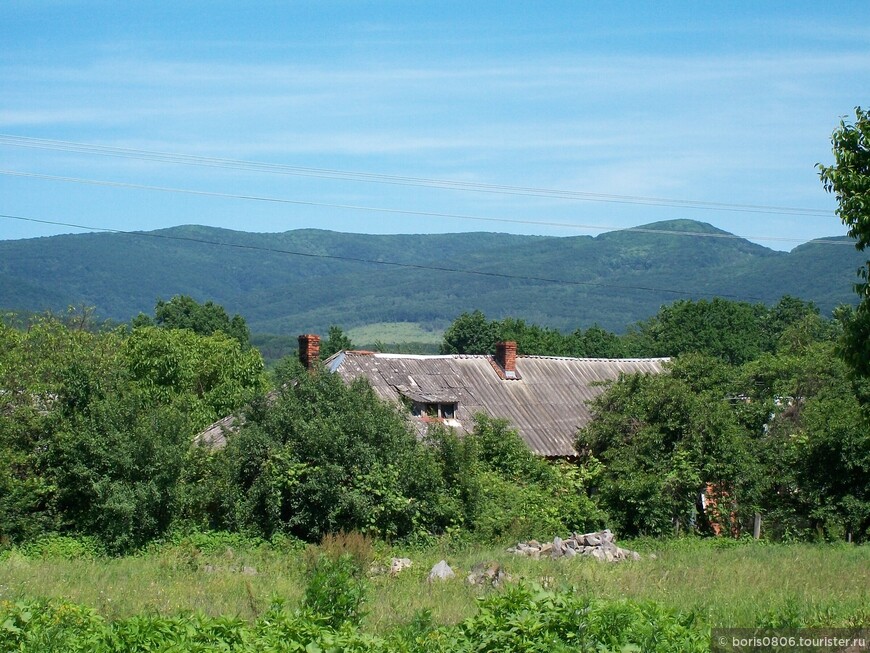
column 849, row 179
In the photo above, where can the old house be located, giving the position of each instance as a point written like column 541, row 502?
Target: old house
column 545, row 397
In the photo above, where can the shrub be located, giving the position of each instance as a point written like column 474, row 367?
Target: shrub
column 62, row 546
column 336, row 590
column 323, row 456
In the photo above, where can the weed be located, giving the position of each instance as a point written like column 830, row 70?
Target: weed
column 357, row 545
column 336, row 590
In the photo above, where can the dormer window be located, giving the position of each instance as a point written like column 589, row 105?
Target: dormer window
column 436, row 405
column 434, row 410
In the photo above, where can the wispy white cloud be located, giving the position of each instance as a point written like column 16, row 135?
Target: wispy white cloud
column 503, row 105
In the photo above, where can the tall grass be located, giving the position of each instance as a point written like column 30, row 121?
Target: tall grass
column 725, row 584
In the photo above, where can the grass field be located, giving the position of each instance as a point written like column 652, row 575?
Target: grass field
column 723, row 582
column 394, row 333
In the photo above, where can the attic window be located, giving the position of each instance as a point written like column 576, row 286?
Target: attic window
column 433, row 410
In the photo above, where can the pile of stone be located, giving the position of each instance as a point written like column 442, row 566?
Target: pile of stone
column 599, row 545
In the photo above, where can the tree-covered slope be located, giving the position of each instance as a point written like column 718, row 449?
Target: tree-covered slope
column 307, row 279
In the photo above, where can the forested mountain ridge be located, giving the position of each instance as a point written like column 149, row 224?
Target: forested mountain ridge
column 304, row 280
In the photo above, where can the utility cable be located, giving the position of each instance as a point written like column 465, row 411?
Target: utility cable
column 347, row 175
column 428, row 214
column 395, row 264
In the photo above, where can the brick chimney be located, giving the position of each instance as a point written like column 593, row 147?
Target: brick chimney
column 506, row 357
column 309, row 350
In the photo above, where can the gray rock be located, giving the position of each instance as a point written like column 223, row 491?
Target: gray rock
column 592, row 539
column 570, row 552
column 441, row 571
column 398, row 564
column 610, row 547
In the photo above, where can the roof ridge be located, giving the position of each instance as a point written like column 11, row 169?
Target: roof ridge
column 381, row 354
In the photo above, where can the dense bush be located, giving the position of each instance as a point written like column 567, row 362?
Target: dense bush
column 324, row 456
column 756, row 434
column 96, row 427
column 321, row 456
column 472, row 333
column 501, row 490
column 735, row 332
column 96, row 431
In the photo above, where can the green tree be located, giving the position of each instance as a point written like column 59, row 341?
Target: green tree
column 211, row 375
column 115, row 471
column 725, row 329
column 184, row 312
column 49, row 373
column 335, row 342
column 662, row 439
column 802, row 405
column 834, row 439
column 596, row 342
column 794, row 315
column 323, row 456
column 470, row 333
column 849, row 179
column 96, row 428
column 532, row 339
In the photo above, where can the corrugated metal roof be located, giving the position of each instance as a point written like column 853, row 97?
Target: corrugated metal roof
column 547, row 404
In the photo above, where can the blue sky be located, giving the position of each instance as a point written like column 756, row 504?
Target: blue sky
column 729, row 103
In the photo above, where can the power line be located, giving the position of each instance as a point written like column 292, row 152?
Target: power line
column 429, row 214
column 367, row 177
column 396, row 264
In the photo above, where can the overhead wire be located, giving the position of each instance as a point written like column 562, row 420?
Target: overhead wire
column 349, row 175
column 434, row 214
column 397, row 264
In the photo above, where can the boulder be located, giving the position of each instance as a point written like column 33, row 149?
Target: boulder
column 441, row 571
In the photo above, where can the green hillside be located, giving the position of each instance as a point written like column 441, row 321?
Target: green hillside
column 305, row 280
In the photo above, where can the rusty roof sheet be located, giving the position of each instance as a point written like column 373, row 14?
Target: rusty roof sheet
column 547, row 404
